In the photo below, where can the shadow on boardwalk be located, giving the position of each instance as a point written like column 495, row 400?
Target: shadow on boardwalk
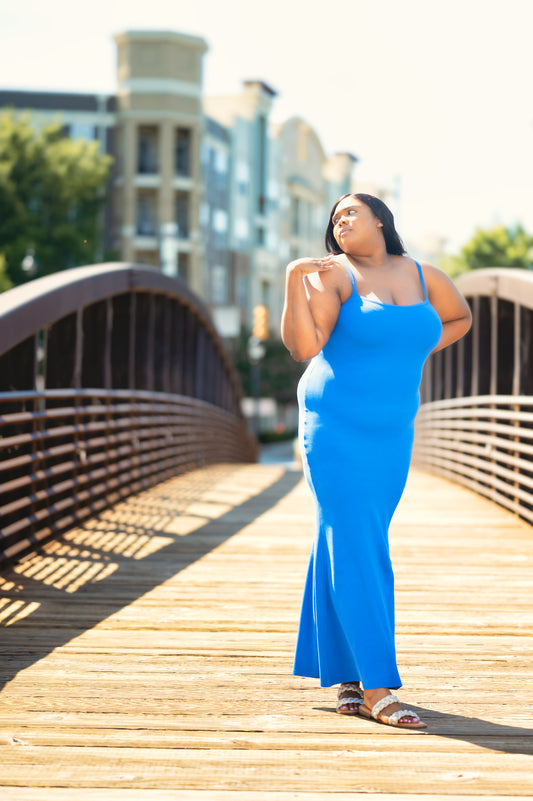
column 189, row 684
column 71, row 584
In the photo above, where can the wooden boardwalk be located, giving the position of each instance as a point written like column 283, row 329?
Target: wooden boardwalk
column 147, row 656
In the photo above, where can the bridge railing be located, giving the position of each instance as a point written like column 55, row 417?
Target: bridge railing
column 112, row 378
column 475, row 424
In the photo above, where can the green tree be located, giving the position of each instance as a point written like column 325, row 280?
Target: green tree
column 279, row 372
column 5, row 283
column 497, row 247
column 51, row 194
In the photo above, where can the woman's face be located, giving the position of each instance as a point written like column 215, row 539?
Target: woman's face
column 353, row 223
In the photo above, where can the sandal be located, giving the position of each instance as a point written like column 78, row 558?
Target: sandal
column 349, row 693
column 396, row 719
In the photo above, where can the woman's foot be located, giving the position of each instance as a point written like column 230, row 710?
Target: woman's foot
column 384, row 707
column 349, row 698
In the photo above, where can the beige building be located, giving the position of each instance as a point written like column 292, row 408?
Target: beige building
column 159, row 123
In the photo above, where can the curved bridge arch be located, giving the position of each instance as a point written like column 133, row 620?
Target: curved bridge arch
column 475, row 424
column 112, row 378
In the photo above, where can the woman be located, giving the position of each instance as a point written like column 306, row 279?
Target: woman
column 367, row 316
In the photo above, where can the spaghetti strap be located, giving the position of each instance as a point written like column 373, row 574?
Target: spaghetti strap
column 350, row 272
column 422, row 280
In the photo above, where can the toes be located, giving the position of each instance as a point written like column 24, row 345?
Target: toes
column 348, row 709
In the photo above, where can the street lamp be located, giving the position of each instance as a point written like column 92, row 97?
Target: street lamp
column 29, row 263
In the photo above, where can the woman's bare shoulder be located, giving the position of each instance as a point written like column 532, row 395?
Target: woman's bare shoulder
column 442, row 291
column 434, row 275
column 334, row 281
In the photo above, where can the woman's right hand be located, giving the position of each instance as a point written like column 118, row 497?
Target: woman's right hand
column 307, row 265
column 311, row 307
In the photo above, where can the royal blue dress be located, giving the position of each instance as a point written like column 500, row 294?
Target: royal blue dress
column 358, row 399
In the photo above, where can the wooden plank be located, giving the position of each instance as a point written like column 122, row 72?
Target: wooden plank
column 86, row 794
column 148, row 654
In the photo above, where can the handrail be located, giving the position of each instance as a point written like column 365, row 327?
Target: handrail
column 475, row 424
column 112, row 378
column 508, row 283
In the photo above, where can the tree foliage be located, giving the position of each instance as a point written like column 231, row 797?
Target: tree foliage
column 279, row 372
column 5, row 283
column 51, row 193
column 496, row 247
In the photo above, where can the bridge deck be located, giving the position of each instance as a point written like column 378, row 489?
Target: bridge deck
column 148, row 654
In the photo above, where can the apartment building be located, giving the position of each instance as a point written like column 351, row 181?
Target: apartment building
column 159, row 127
column 206, row 189
column 281, row 186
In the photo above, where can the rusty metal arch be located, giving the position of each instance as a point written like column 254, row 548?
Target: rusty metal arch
column 112, row 378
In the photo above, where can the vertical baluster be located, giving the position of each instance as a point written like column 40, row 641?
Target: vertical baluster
column 516, row 391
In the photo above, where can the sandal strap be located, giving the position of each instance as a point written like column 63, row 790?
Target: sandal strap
column 353, row 686
column 351, row 700
column 395, row 718
column 354, row 694
column 380, row 705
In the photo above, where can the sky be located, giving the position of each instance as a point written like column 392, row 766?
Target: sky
column 434, row 98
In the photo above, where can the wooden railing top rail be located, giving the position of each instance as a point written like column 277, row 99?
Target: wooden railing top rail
column 514, row 285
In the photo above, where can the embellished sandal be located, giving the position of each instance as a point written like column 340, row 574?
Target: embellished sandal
column 349, row 693
column 396, row 719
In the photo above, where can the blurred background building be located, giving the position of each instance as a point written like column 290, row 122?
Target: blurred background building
column 206, row 189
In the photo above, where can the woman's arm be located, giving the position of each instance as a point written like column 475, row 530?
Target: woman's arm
column 312, row 305
column 449, row 304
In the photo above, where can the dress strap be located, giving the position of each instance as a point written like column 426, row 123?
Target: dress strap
column 346, row 263
column 422, row 280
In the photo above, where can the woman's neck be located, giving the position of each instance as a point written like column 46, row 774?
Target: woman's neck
column 377, row 258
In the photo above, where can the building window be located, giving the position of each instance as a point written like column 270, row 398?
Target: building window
column 80, row 130
column 204, row 214
column 242, row 291
column 183, row 151
column 243, row 177
column 146, row 257
column 119, row 150
column 182, row 214
column 220, row 224
column 261, row 235
column 266, row 293
column 241, row 231
column 295, row 215
column 146, row 214
column 262, row 164
column 219, row 284
column 147, row 150
column 221, row 162
column 184, row 264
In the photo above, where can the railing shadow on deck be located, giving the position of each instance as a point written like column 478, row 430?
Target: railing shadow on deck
column 83, row 573
column 475, row 423
column 112, row 378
